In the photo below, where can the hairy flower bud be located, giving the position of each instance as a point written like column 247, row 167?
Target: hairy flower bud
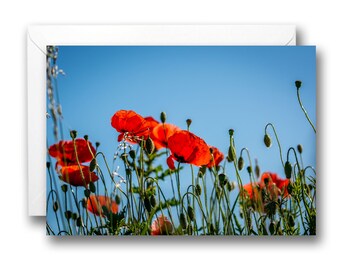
column 189, row 121
column 299, row 148
column 149, row 145
column 132, row 154
column 288, row 169
column 191, row 213
column 198, row 190
column 163, row 117
column 267, row 140
column 93, row 164
column 240, row 163
column 183, row 221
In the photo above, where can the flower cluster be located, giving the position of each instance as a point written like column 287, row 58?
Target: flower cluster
column 70, row 156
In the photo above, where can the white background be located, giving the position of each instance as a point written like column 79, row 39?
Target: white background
column 22, row 239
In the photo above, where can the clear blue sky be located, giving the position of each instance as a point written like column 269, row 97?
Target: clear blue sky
column 218, row 87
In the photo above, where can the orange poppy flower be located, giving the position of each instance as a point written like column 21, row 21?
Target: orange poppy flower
column 131, row 126
column 252, row 191
column 186, row 147
column 275, row 183
column 161, row 226
column 65, row 152
column 217, row 157
column 95, row 205
column 72, row 175
column 161, row 133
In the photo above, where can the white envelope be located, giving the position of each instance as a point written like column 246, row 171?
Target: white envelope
column 38, row 37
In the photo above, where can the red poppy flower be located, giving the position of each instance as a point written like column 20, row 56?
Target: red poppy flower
column 65, row 152
column 274, row 182
column 72, row 175
column 131, row 125
column 161, row 226
column 161, row 133
column 152, row 122
column 217, row 157
column 186, row 147
column 252, row 190
column 95, row 205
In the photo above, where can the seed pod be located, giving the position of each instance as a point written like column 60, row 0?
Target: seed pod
column 73, row 134
column 198, row 190
column 240, row 163
column 55, row 206
column 93, row 164
column 189, row 121
column 299, row 148
column 149, row 145
column 153, row 200
column 288, row 169
column 249, row 169
column 163, row 117
column 74, row 216
column 97, row 144
column 48, row 165
column 92, row 187
column 267, row 140
column 183, row 221
column 191, row 213
column 231, row 132
column 86, row 137
column 64, row 188
column 132, row 154
column 298, row 84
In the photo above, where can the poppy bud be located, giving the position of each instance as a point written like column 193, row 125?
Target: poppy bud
column 189, row 121
column 183, row 221
column 228, row 159
column 153, row 200
column 150, row 146
column 68, row 214
column 191, row 213
column 198, row 190
column 74, row 216
column 288, row 169
column 230, row 153
column 272, row 227
column 163, row 117
column 117, row 199
column 291, row 221
column 92, row 187
column 231, row 132
column 298, row 84
column 249, row 169
column 64, row 188
column 86, row 137
column 55, row 206
column 267, row 140
column 73, row 134
column 48, row 164
column 93, row 164
column 257, row 170
column 79, row 222
column 299, row 148
column 97, row 144
column 87, row 193
column 83, row 203
column 240, row 163
column 132, row 154
column 222, row 179
column 147, row 204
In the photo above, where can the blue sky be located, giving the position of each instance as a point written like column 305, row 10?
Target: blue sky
column 218, row 87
